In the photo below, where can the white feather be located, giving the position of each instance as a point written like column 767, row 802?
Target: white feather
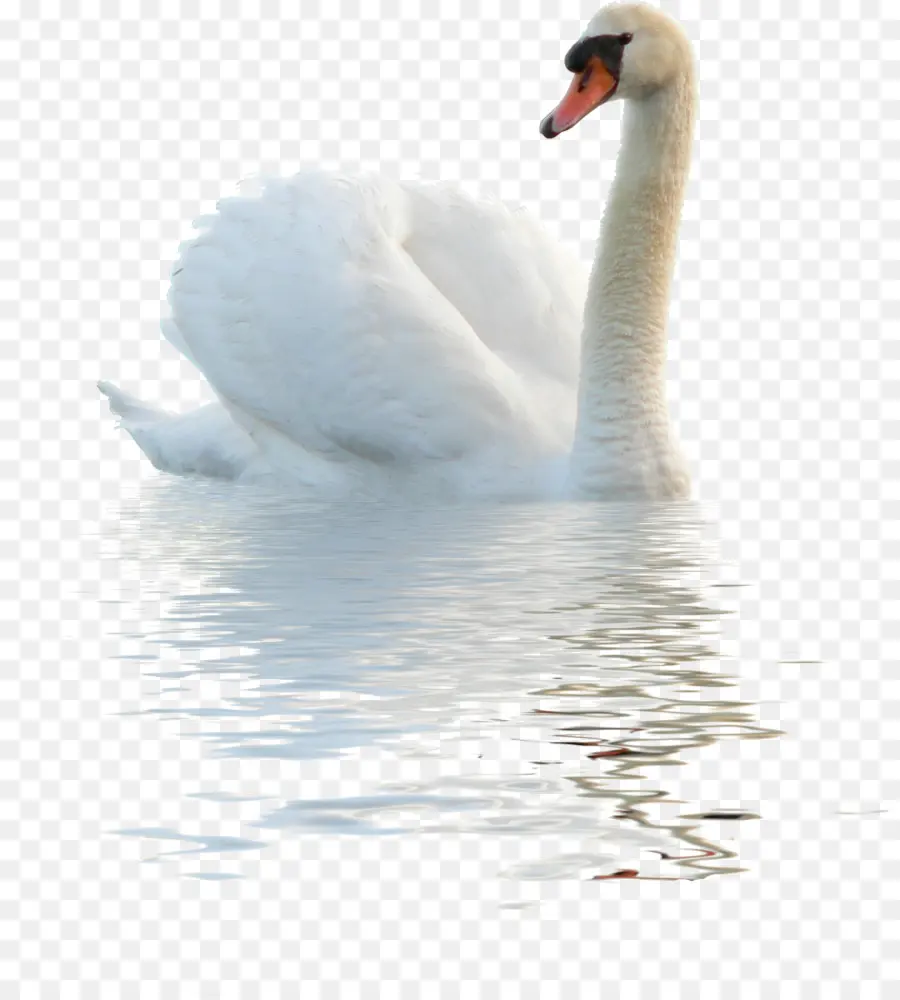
column 356, row 329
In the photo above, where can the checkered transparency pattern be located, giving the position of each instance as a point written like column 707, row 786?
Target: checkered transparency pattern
column 121, row 123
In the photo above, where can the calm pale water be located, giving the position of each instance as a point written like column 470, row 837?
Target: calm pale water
column 546, row 674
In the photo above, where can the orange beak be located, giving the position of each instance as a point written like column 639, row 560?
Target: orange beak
column 588, row 90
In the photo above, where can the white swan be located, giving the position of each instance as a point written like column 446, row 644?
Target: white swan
column 365, row 334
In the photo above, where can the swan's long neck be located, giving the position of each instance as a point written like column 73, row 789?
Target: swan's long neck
column 622, row 441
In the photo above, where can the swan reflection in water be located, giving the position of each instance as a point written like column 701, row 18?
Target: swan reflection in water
column 528, row 671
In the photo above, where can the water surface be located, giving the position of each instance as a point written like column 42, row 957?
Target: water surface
column 544, row 675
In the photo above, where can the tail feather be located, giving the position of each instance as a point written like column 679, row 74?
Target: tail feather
column 205, row 442
column 129, row 407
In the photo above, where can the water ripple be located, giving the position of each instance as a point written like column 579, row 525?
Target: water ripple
column 548, row 668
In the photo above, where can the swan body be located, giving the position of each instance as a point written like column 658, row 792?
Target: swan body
column 361, row 333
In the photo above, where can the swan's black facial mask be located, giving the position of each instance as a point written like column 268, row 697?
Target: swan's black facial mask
column 597, row 65
column 609, row 49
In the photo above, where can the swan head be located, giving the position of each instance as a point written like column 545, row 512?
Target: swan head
column 629, row 51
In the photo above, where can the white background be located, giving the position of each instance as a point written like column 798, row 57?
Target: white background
column 123, row 122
